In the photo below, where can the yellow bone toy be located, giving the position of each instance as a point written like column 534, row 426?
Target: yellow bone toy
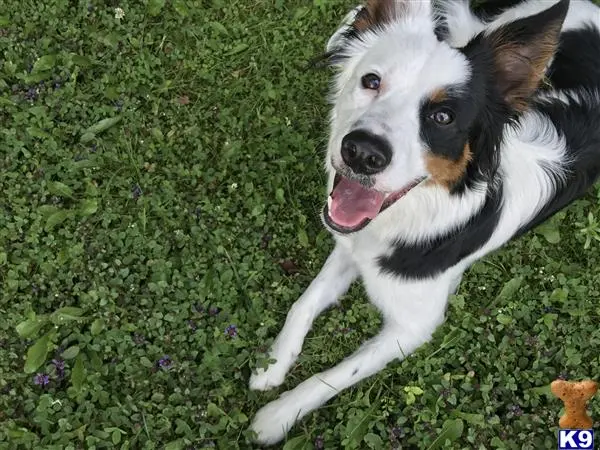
column 575, row 396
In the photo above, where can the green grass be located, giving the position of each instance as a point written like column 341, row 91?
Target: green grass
column 196, row 208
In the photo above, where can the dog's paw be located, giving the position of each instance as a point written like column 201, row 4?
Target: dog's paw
column 263, row 380
column 273, row 421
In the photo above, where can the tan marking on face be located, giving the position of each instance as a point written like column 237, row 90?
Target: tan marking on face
column 447, row 172
column 438, row 96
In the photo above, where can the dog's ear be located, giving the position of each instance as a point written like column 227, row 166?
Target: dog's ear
column 373, row 14
column 376, row 14
column 381, row 12
column 347, row 24
column 522, row 49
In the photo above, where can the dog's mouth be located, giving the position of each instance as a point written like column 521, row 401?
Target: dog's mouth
column 351, row 206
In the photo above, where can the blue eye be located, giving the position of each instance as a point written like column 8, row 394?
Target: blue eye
column 442, row 117
column 371, row 81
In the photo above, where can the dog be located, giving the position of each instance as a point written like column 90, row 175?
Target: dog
column 452, row 131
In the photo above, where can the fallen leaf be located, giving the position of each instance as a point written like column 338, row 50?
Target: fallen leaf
column 289, row 266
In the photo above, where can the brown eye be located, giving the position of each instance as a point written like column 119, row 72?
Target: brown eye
column 371, row 81
column 442, row 117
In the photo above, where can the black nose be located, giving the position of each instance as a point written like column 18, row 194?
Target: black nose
column 366, row 153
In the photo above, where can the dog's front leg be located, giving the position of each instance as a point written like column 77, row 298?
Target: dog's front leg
column 333, row 281
column 412, row 311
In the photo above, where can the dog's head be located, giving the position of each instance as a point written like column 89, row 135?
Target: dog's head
column 412, row 112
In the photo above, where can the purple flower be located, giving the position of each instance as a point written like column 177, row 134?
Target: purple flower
column 136, row 192
column 59, row 364
column 231, row 331
column 397, row 433
column 41, row 379
column 192, row 325
column 319, row 443
column 165, row 362
column 31, row 94
column 139, row 339
column 531, row 341
column 213, row 310
column 516, row 410
column 266, row 239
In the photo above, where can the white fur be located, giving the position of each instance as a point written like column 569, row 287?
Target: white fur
column 411, row 309
column 463, row 24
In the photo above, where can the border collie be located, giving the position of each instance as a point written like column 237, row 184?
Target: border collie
column 453, row 130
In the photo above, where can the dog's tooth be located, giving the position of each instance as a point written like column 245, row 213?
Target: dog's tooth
column 329, row 201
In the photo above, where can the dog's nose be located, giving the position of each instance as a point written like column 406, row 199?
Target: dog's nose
column 366, row 153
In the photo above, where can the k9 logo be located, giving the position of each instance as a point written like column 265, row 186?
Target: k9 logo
column 575, row 439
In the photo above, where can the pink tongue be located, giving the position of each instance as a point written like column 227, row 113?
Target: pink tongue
column 352, row 203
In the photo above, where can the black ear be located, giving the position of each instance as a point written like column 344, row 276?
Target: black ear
column 522, row 49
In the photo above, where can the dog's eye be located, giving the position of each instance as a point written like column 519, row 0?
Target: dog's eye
column 442, row 117
column 371, row 81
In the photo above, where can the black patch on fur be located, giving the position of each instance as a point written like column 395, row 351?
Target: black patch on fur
column 487, row 10
column 490, row 90
column 577, row 60
column 579, row 123
column 576, row 67
column 432, row 257
column 491, row 112
column 449, row 140
column 482, row 114
column 355, row 371
column 480, row 117
column 441, row 30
